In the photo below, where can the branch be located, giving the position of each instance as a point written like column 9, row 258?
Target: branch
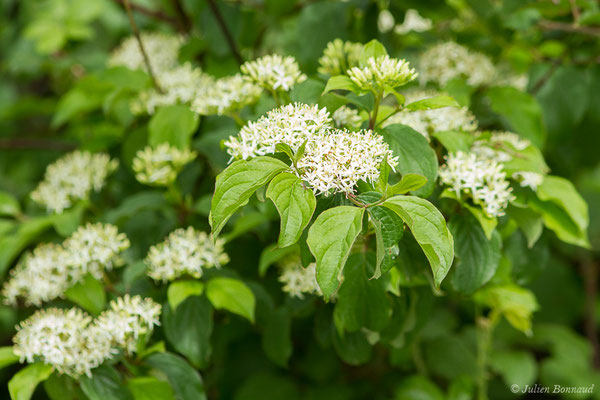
column 36, row 144
column 136, row 32
column 150, row 13
column 225, row 30
column 589, row 271
column 563, row 26
column 185, row 23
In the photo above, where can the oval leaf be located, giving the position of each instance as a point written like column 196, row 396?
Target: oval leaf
column 432, row 103
column 23, row 383
column 232, row 295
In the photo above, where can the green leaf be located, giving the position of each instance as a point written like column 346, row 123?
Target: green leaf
column 9, row 205
column 432, row 103
column 516, row 367
column 408, row 183
column 514, row 302
column 105, row 384
column 529, row 221
column 477, row 258
column 330, row 239
column 276, row 339
column 180, row 290
column 295, row 204
column 89, row 294
column 184, row 379
column 232, row 295
column 455, row 141
column 361, row 302
column 7, row 357
column 150, row 388
column 272, row 254
column 372, row 49
column 428, row 227
column 62, row 387
column 22, row 385
column 188, row 329
column 173, row 124
column 237, row 183
column 414, row 155
column 340, row 82
column 353, row 348
column 418, row 387
column 520, row 111
column 563, row 194
column 67, row 222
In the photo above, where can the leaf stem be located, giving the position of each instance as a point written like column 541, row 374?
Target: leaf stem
column 484, row 329
column 136, row 33
column 373, row 119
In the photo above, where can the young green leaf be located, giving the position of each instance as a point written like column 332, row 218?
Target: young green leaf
column 7, row 357
column 150, row 388
column 454, row 141
column 178, row 291
column 341, row 82
column 22, row 385
column 89, row 294
column 408, row 183
column 372, row 49
column 9, row 206
column 295, row 204
column 173, row 124
column 232, row 295
column 330, row 239
column 237, row 183
column 429, row 228
column 432, row 103
column 514, row 302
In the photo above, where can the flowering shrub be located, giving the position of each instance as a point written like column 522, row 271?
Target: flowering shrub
column 298, row 200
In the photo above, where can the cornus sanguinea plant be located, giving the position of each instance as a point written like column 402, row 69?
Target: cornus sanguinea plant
column 239, row 214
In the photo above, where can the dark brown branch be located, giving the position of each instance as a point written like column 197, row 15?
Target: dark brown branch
column 36, row 144
column 185, row 23
column 136, row 32
column 225, row 31
column 151, row 13
column 542, row 81
column 565, row 27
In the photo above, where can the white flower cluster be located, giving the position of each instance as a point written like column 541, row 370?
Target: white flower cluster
column 346, row 117
column 274, row 72
column 528, row 179
column 160, row 165
column 337, row 161
column 72, row 178
column 162, row 50
column 483, row 179
column 292, row 124
column 74, row 344
column 185, row 251
column 65, row 339
column 226, row 95
column 427, row 122
column 127, row 319
column 500, row 146
column 339, row 56
column 413, row 22
column 446, row 61
column 179, row 85
column 382, row 72
column 297, row 280
column 50, row 269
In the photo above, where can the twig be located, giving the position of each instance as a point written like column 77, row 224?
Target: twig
column 575, row 12
column 36, row 144
column 225, row 30
column 185, row 21
column 589, row 271
column 136, row 32
column 563, row 26
column 151, row 13
column 542, row 81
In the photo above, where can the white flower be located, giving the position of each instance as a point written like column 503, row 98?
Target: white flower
column 382, row 72
column 159, row 166
column 179, row 85
column 72, row 178
column 427, row 122
column 347, row 117
column 339, row 56
column 127, row 319
column 480, row 178
column 413, row 22
column 335, row 162
column 297, row 280
column 528, row 179
column 162, row 50
column 511, row 138
column 94, row 248
column 40, row 276
column 226, row 95
column 51, row 269
column 446, row 61
column 274, row 72
column 63, row 339
column 292, row 124
column 385, row 21
column 501, row 146
column 185, row 251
